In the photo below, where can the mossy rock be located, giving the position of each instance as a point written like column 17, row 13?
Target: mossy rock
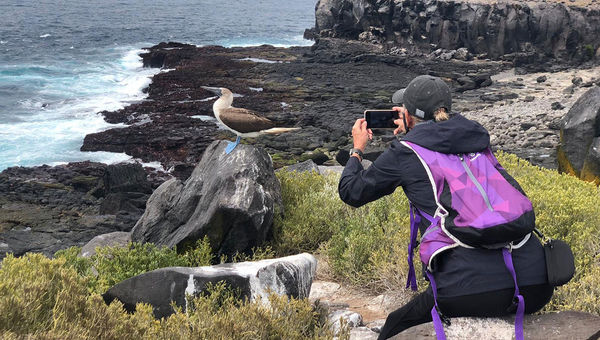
column 84, row 183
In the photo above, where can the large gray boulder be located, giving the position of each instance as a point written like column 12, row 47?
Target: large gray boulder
column 230, row 198
column 291, row 276
column 578, row 152
column 114, row 239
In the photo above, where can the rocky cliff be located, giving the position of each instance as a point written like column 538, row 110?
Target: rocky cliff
column 489, row 29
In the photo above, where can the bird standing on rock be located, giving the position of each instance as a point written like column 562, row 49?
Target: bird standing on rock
column 242, row 122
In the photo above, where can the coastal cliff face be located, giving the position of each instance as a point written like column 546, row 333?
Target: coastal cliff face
column 492, row 30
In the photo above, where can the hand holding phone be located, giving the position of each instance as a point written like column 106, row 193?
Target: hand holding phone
column 381, row 119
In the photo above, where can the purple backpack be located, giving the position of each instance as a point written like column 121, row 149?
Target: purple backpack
column 476, row 208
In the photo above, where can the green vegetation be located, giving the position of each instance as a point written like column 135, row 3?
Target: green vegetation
column 367, row 246
column 111, row 265
column 42, row 298
column 588, row 51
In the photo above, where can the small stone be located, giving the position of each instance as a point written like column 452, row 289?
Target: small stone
column 541, row 79
column 526, row 125
column 529, row 99
column 557, row 106
column 577, row 81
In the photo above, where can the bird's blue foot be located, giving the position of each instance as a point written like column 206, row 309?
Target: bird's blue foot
column 231, row 145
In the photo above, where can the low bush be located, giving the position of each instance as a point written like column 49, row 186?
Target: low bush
column 364, row 246
column 111, row 265
column 43, row 298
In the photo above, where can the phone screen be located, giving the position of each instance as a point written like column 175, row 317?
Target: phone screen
column 381, row 119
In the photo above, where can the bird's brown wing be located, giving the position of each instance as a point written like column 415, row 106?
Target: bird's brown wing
column 244, row 121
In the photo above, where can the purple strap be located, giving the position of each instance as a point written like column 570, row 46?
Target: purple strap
column 506, row 254
column 415, row 219
column 411, row 280
column 435, row 314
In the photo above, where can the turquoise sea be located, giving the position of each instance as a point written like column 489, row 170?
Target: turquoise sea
column 61, row 62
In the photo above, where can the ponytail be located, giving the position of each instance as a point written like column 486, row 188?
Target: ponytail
column 441, row 115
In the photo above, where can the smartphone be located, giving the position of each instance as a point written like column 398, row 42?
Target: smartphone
column 381, row 119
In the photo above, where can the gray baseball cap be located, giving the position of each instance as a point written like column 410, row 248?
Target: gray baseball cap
column 397, row 97
column 423, row 96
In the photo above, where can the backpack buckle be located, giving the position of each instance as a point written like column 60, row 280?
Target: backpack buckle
column 445, row 319
column 513, row 306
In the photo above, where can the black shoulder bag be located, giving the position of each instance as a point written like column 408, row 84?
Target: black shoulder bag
column 560, row 263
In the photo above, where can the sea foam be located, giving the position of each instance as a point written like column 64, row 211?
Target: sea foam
column 64, row 109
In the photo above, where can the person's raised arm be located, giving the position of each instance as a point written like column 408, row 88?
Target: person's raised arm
column 358, row 186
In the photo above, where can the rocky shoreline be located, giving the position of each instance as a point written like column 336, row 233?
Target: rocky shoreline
column 322, row 89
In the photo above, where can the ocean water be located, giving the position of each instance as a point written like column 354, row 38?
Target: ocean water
column 61, row 62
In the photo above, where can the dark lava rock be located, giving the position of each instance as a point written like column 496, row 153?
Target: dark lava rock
column 577, row 81
column 541, row 79
column 306, row 166
column 557, row 106
column 498, row 96
column 529, row 99
column 231, row 199
column 527, row 125
column 323, row 89
column 578, row 134
column 291, row 276
column 524, row 32
column 45, row 209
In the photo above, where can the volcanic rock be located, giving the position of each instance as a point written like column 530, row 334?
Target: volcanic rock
column 578, row 135
column 45, row 209
column 114, row 239
column 291, row 276
column 231, row 199
column 521, row 31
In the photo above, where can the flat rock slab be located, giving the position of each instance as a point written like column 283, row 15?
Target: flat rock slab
column 291, row 275
column 552, row 326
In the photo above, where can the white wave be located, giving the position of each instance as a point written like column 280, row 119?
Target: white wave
column 53, row 133
column 257, row 89
column 45, row 35
column 2, row 42
column 284, row 104
column 259, row 60
column 297, row 40
column 154, row 165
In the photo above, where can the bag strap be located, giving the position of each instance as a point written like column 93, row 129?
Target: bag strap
column 436, row 314
column 415, row 219
column 517, row 298
column 411, row 280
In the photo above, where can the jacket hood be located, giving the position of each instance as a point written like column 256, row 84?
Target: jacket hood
column 454, row 136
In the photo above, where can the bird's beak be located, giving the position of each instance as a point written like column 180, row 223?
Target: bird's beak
column 215, row 90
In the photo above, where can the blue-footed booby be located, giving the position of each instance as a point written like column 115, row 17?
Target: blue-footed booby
column 242, row 122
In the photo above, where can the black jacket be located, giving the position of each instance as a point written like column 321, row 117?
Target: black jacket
column 458, row 271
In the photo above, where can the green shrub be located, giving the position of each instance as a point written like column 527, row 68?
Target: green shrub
column 312, row 209
column 364, row 246
column 42, row 298
column 115, row 264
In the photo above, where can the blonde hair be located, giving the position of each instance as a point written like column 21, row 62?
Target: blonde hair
column 441, row 115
